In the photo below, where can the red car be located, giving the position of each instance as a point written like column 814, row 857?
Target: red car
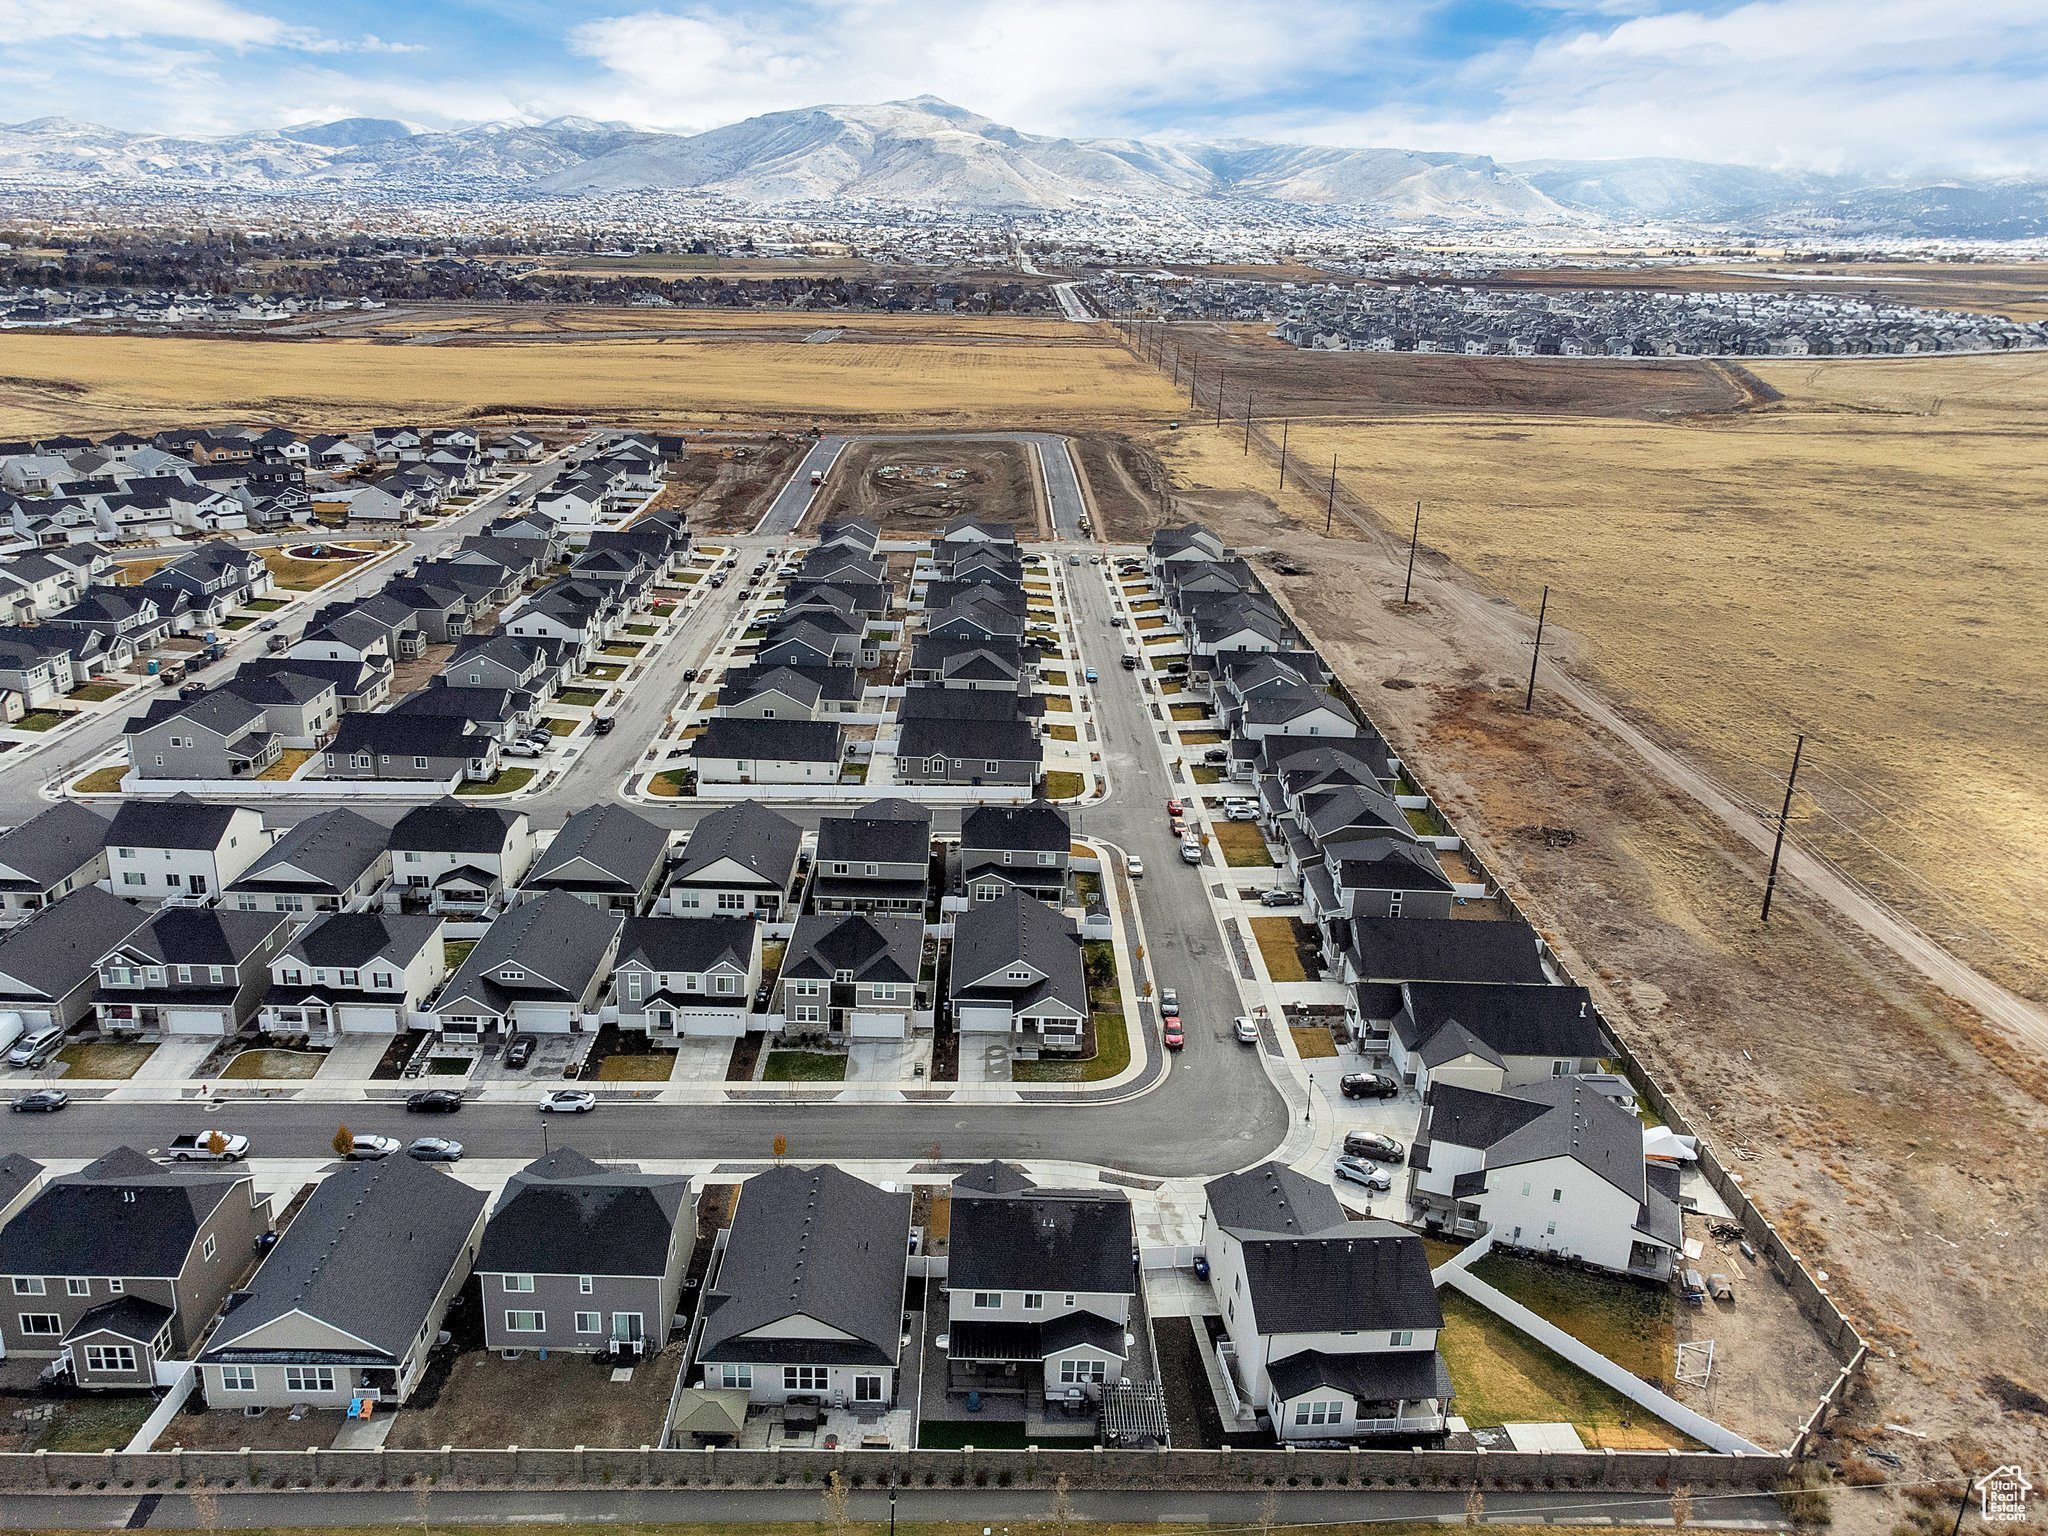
column 1174, row 807
column 1172, row 1035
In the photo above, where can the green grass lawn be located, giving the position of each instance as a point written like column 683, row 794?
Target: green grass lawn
column 96, row 693
column 1632, row 1324
column 605, row 674
column 42, row 720
column 620, row 648
column 455, row 951
column 105, row 1059
column 804, row 1067
column 1207, row 775
column 1112, row 1033
column 1053, row 679
column 557, row 726
column 508, row 780
column 1064, row 786
column 240, row 621
column 266, row 604
column 1422, row 823
column 580, row 698
column 641, row 1067
column 96, row 1423
column 643, row 629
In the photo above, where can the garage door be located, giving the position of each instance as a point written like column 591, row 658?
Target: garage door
column 364, row 1018
column 192, row 1021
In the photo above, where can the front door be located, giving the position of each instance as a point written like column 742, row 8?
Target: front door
column 198, row 883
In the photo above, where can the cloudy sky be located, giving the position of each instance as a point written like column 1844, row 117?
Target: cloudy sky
column 1906, row 85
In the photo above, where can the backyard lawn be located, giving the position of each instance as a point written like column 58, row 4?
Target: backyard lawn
column 1632, row 1324
column 1243, row 846
column 455, row 951
column 97, row 1423
column 101, row 781
column 105, row 1059
column 289, row 761
column 804, row 1067
column 505, row 783
column 274, row 1064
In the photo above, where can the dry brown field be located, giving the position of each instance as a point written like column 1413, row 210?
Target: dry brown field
column 576, row 322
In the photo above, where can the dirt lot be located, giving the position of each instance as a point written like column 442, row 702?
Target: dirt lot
column 1126, row 484
column 914, row 488
column 1286, row 381
column 726, row 492
column 1897, row 1141
column 563, row 1400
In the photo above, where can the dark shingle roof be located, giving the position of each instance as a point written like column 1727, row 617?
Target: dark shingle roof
column 750, row 835
column 368, row 1254
column 62, row 945
column 991, row 936
column 1377, row 1376
column 449, row 826
column 819, row 1243
column 333, row 847
column 1446, row 949
column 1037, row 827
column 884, row 832
column 1043, row 1240
column 556, row 940
column 564, row 1214
column 872, row 947
column 1273, row 1198
column 796, row 741
column 123, row 1215
column 179, row 822
column 613, row 840
column 125, row 1317
column 351, row 940
column 53, row 843
column 1370, row 1275
column 203, row 935
column 1510, row 1020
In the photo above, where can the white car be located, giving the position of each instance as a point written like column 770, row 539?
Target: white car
column 568, row 1101
column 521, row 748
column 1247, row 1030
column 1134, row 866
column 363, row 1147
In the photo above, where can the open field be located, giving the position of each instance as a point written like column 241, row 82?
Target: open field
column 1076, row 375
column 915, row 488
column 574, row 322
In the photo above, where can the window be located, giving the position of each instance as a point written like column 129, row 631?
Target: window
column 41, row 1324
column 520, row 1283
column 1319, row 1411
column 216, row 974
column 585, row 1285
column 1556, row 1196
column 987, row 1301
column 885, row 991
column 419, row 762
column 526, row 1322
column 1070, row 1298
column 590, row 1322
column 867, row 1389
column 805, row 1378
column 75, row 1287
column 511, row 973
column 806, row 1013
column 210, row 1247
column 134, row 879
column 842, row 978
column 729, row 901
column 1020, row 973
column 1401, row 1338
column 687, row 901
column 238, row 1378
column 28, row 1285
column 1525, row 1189
column 309, row 1378
column 635, row 985
column 725, row 986
column 117, row 1285
column 1034, row 1301
column 1074, row 1372
column 736, row 1376
column 1550, row 1229
column 109, row 1357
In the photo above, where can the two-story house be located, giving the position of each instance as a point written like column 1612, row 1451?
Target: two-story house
column 452, row 857
column 875, row 859
column 189, row 971
column 540, row 967
column 1024, row 848
column 217, row 735
column 1017, row 972
column 333, row 861
column 691, row 977
column 181, row 849
column 50, row 965
column 850, row 975
column 584, row 1257
column 348, row 973
column 1492, row 1036
column 124, row 1264
column 52, row 854
column 808, row 1302
column 740, row 859
column 606, row 855
column 733, row 749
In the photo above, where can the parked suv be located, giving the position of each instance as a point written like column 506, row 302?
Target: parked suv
column 1370, row 1085
column 36, row 1047
column 1373, row 1146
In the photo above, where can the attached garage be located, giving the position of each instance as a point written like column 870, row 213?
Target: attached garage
column 195, row 1021
column 367, row 1019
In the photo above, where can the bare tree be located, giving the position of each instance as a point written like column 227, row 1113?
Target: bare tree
column 205, row 1505
column 838, row 1503
column 1063, row 1517
column 422, row 1495
column 1475, row 1506
column 1269, row 1513
column 1681, row 1506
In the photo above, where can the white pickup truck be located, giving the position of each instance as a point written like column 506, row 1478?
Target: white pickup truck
column 210, row 1146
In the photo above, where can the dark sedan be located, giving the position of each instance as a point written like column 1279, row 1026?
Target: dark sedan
column 45, row 1101
column 434, row 1101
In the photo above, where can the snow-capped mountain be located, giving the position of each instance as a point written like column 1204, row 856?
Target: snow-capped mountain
column 928, row 153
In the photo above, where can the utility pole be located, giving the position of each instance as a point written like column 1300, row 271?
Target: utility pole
column 1416, row 533
column 1542, row 613
column 1193, row 374
column 1220, row 377
column 1248, row 424
column 1330, row 511
column 1283, row 452
column 1778, row 844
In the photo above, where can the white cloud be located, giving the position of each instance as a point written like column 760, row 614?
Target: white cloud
column 1061, row 66
column 137, row 24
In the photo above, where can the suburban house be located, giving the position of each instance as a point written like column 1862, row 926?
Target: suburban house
column 1017, row 972
column 1332, row 1323
column 41, row 664
column 124, row 1264
column 302, row 710
column 808, row 1302
column 217, row 735
column 1556, row 1167
column 180, row 848
column 1485, row 1035
column 351, row 973
column 50, row 965
column 734, row 750
column 692, row 977
column 739, row 859
column 933, row 749
column 189, row 971
column 850, row 975
column 452, row 857
column 348, row 1303
column 585, row 1258
column 21, row 1180
column 52, row 854
column 1380, row 953
column 790, row 692
column 1015, row 848
column 332, row 861
column 1374, row 876
column 1189, row 544
column 501, row 661
column 357, row 685
column 875, row 859
column 1039, row 1286
column 605, row 855
column 541, row 967
column 410, row 747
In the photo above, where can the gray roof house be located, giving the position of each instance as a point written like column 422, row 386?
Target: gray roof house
column 739, row 859
column 217, row 735
column 875, row 859
column 688, row 976
column 454, row 857
column 333, row 861
column 1380, row 953
column 50, row 965
column 180, row 848
column 1015, row 848
column 605, row 855
column 349, row 973
column 540, row 967
column 50, row 855
column 808, row 1302
column 736, row 750
column 347, row 1305
column 124, row 1263
column 936, row 750
column 189, row 971
column 1493, row 1036
column 1332, row 1323
column 585, row 1257
column 850, row 975
column 1017, row 971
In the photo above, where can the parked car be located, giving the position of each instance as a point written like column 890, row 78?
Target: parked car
column 541, row 739
column 1134, row 866
column 1174, row 807
column 761, row 996
column 1073, row 559
column 1276, row 897
column 1190, row 851
column 1116, row 621
column 1373, row 1147
column 520, row 1052
column 1089, row 675
column 1241, row 810
column 602, row 724
column 1169, row 1003
column 521, row 747
column 1130, row 662
column 1369, row 1085
column 434, row 1101
column 1216, row 755
column 435, row 1149
column 1095, row 559
column 364, row 1147
column 1172, row 1036
column 44, row 1101
column 568, row 1101
column 1356, row 1170
column 36, row 1047
column 267, row 625
column 1247, row 1029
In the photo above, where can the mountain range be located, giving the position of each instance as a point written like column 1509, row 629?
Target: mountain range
column 928, row 153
